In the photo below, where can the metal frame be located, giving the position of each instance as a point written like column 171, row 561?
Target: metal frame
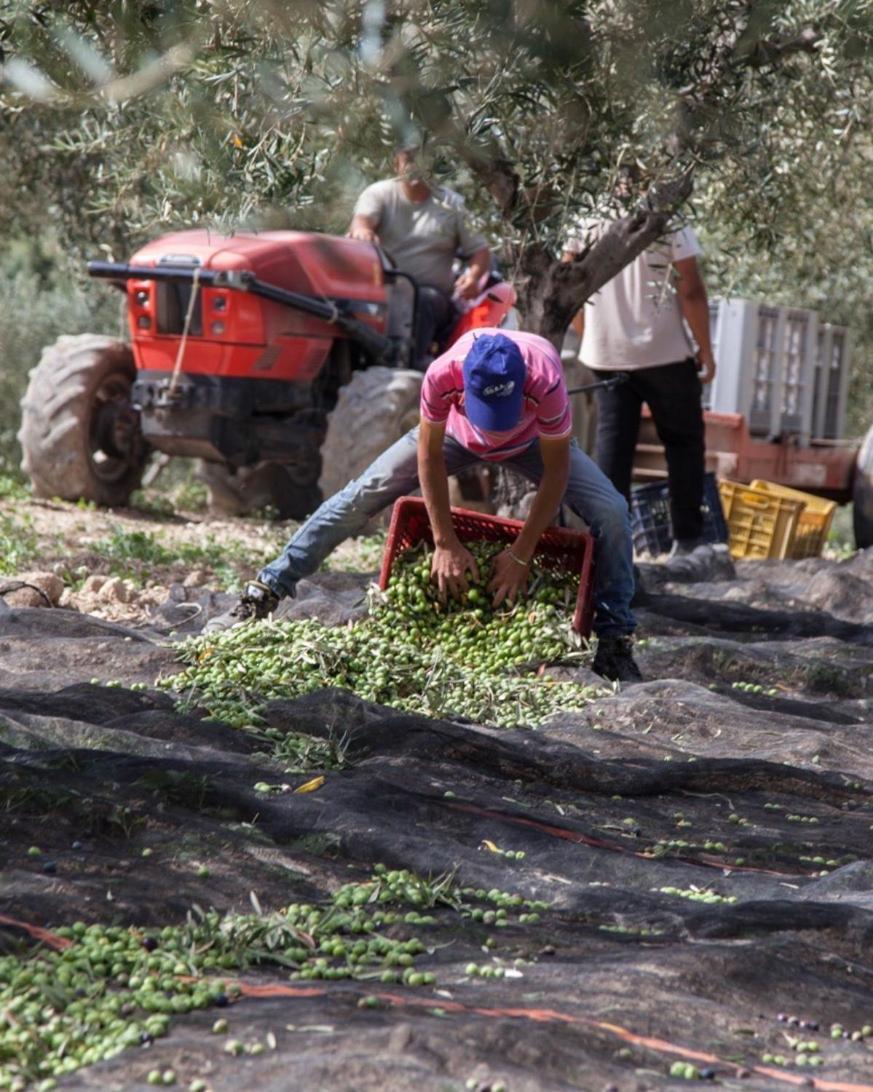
column 823, row 376
column 799, row 422
column 737, row 326
column 743, row 363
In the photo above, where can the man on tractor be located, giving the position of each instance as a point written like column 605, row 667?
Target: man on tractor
column 423, row 228
column 497, row 397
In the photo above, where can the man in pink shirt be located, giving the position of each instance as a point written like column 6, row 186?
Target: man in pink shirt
column 499, row 397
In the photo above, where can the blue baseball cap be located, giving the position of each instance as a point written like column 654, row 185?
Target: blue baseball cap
column 494, row 375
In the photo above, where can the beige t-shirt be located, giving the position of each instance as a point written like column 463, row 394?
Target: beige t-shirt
column 425, row 237
column 634, row 321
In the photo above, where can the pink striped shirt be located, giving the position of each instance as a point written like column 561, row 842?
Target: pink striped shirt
column 546, row 408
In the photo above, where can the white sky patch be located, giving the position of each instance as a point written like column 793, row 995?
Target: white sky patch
column 29, row 80
column 186, row 165
column 372, row 20
column 83, row 54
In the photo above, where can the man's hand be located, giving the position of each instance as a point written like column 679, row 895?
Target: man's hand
column 510, row 578
column 467, row 285
column 511, row 572
column 363, row 234
column 450, row 567
column 705, row 367
column 694, row 305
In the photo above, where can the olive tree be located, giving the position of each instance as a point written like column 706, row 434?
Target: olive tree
column 128, row 118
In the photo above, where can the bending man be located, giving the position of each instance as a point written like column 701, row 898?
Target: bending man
column 495, row 397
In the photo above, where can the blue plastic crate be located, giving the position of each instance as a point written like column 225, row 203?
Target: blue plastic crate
column 651, row 526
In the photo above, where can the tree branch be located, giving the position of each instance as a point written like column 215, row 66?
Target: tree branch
column 568, row 285
column 493, row 169
column 763, row 53
column 738, row 51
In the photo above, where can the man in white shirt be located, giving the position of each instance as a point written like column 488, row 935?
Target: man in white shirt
column 636, row 324
column 423, row 227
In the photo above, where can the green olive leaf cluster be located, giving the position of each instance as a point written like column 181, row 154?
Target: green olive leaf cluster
column 121, row 121
column 116, row 987
column 125, row 119
column 462, row 659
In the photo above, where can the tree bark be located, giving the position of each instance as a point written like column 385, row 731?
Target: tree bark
column 550, row 291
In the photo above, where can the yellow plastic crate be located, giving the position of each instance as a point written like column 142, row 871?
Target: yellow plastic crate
column 760, row 524
column 813, row 523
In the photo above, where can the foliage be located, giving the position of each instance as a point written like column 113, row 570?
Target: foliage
column 18, row 544
column 11, row 488
column 841, row 541
column 824, row 266
column 178, row 487
column 187, row 493
column 134, row 554
column 135, row 117
column 360, row 555
column 124, row 120
column 124, row 546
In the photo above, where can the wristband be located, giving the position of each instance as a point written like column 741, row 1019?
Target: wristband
column 517, row 560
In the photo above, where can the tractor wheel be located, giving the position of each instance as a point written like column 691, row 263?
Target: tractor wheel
column 375, row 408
column 292, row 491
column 80, row 434
column 862, row 494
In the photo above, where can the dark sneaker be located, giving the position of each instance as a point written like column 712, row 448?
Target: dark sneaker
column 615, row 661
column 690, row 563
column 682, row 547
column 256, row 603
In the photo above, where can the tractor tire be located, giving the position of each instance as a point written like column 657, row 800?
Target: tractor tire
column 862, row 494
column 376, row 407
column 80, row 435
column 291, row 491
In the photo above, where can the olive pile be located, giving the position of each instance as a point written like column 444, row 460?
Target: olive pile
column 115, row 987
column 469, row 629
column 459, row 659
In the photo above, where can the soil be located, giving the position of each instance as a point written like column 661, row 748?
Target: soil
column 742, row 766
column 82, row 544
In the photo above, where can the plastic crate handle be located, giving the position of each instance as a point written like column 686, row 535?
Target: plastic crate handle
column 755, row 502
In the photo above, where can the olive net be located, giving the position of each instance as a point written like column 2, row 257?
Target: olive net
column 667, row 883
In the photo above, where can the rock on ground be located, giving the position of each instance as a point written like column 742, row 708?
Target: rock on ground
column 36, row 589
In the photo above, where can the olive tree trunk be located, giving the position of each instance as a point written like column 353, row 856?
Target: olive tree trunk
column 551, row 291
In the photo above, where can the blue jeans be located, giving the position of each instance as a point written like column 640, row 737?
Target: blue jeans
column 395, row 474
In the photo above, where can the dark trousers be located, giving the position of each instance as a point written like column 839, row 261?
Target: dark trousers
column 436, row 314
column 672, row 393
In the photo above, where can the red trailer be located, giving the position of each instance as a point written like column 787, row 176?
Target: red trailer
column 777, row 408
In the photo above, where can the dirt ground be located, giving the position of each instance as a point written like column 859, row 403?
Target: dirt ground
column 702, row 839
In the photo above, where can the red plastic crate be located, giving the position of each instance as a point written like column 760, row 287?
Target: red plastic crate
column 574, row 549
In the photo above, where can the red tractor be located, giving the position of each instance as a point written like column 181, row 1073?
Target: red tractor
column 282, row 359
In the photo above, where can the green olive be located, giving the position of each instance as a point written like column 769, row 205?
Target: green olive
column 411, row 652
